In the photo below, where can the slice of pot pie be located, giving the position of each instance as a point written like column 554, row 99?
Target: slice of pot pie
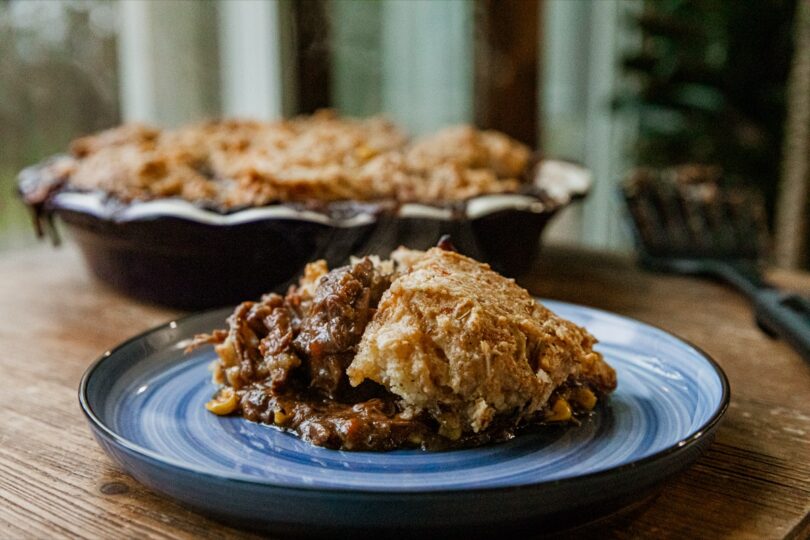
column 429, row 349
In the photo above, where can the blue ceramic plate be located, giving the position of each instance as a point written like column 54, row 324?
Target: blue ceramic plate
column 144, row 402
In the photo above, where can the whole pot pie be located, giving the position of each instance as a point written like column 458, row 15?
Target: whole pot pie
column 208, row 214
column 428, row 349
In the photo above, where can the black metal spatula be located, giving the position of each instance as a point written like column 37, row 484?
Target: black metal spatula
column 687, row 224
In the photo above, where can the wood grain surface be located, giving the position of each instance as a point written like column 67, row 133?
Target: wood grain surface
column 754, row 482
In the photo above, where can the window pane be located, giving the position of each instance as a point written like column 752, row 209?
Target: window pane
column 58, row 80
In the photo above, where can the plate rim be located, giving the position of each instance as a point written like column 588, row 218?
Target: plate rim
column 695, row 437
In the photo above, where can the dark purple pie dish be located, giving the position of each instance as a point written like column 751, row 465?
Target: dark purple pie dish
column 175, row 253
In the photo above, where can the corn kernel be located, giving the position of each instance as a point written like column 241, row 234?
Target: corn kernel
column 584, row 398
column 227, row 353
column 280, row 417
column 560, row 412
column 224, row 403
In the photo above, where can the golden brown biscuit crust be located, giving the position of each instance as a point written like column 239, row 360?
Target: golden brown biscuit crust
column 322, row 157
column 456, row 339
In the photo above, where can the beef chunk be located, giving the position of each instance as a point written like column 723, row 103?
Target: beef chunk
column 342, row 306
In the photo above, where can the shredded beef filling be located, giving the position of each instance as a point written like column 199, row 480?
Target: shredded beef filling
column 286, row 359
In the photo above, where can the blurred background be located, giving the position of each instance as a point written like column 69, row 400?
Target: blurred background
column 610, row 83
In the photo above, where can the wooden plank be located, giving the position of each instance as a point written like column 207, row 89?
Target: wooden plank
column 794, row 194
column 54, row 479
column 754, row 482
column 312, row 49
column 507, row 62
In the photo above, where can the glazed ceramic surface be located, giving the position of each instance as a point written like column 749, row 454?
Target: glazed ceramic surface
column 144, row 401
column 173, row 252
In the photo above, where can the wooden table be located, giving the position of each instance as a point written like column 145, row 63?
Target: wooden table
column 55, row 482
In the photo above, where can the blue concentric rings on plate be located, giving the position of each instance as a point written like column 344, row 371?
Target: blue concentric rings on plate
column 144, row 401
